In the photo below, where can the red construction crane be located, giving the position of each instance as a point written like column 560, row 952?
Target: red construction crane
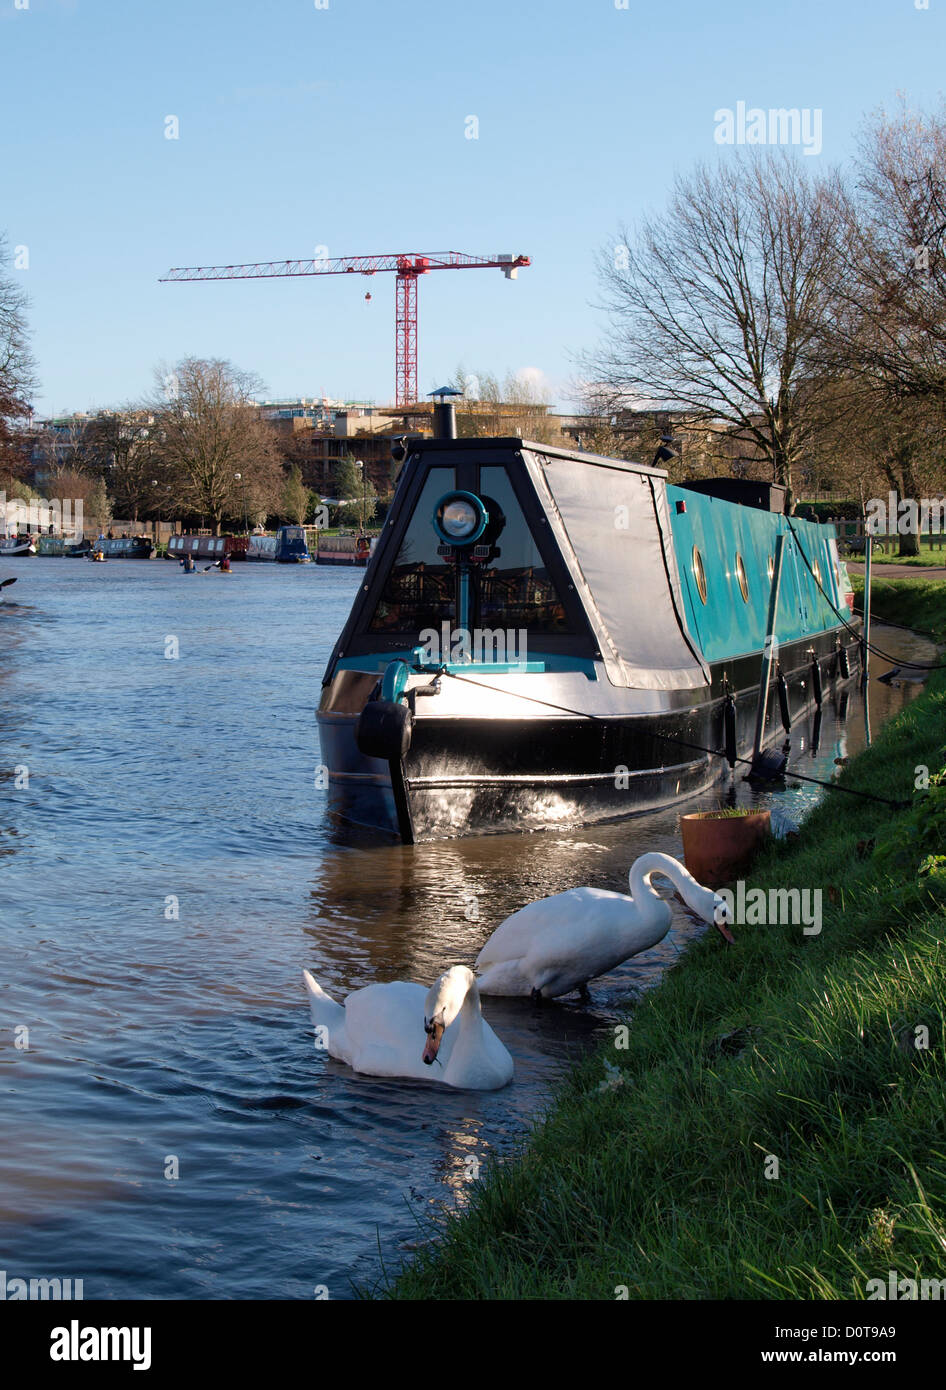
column 407, row 269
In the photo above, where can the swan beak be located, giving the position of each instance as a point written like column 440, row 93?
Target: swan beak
column 434, row 1031
column 722, row 918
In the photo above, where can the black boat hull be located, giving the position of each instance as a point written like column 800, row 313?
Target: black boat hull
column 552, row 769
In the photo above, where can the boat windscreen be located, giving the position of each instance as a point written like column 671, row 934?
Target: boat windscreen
column 514, row 588
column 510, row 586
column 419, row 590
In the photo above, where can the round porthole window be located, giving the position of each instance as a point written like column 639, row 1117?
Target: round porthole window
column 699, row 574
column 743, row 581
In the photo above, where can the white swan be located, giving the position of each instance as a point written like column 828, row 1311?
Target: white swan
column 558, row 944
column 378, row 1031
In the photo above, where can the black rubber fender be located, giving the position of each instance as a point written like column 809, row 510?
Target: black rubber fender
column 816, row 680
column 384, row 730
column 783, row 705
column 729, row 729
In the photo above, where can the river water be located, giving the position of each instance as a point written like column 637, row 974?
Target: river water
column 167, row 869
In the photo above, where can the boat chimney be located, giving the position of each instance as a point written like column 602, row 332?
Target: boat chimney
column 445, row 415
column 666, row 451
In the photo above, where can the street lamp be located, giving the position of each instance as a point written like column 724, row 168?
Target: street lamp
column 364, row 493
column 167, row 499
column 242, row 481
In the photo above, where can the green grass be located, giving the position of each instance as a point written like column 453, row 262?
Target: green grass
column 649, row 1172
column 928, row 555
column 917, row 602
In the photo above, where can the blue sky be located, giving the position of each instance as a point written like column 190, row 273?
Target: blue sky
column 344, row 127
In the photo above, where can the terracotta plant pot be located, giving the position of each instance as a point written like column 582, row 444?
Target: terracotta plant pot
column 718, row 849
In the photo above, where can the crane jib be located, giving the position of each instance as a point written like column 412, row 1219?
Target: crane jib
column 407, row 267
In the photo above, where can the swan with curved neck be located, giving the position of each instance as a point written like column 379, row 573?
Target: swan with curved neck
column 380, row 1030
column 558, row 944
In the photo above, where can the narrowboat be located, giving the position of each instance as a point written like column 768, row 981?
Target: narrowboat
column 126, row 547
column 287, row 547
column 207, row 547
column 545, row 637
column 261, row 547
column 291, row 547
column 343, row 550
column 60, row 545
column 17, row 545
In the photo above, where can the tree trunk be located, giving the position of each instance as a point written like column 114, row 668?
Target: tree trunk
column 909, row 540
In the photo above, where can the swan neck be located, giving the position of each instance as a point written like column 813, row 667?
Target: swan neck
column 469, row 1019
column 648, row 864
column 471, row 1010
column 692, row 893
column 650, row 908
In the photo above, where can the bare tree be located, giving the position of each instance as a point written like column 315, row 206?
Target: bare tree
column 123, row 445
column 507, row 406
column 883, row 338
column 81, row 487
column 17, row 370
column 887, row 316
column 221, row 456
column 713, row 304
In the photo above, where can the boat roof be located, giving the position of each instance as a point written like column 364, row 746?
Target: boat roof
column 513, row 441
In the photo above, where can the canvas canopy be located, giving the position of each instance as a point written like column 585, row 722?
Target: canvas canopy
column 612, row 525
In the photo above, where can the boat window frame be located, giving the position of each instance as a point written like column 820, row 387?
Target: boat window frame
column 742, row 577
column 357, row 638
column 699, row 573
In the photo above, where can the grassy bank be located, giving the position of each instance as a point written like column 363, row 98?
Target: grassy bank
column 929, row 555
column 650, row 1172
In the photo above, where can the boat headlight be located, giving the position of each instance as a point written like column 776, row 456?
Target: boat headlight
column 460, row 518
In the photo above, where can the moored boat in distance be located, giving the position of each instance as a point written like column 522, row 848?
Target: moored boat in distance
column 286, row 547
column 343, row 550
column 291, row 547
column 207, row 547
column 63, row 546
column 125, row 547
column 546, row 638
column 261, row 547
column 17, row 545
